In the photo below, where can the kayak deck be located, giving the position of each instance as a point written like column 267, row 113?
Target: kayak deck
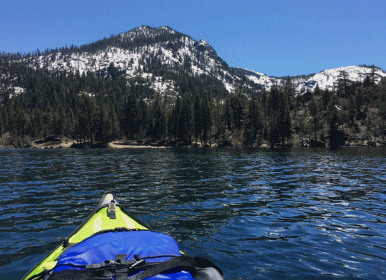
column 108, row 215
column 113, row 244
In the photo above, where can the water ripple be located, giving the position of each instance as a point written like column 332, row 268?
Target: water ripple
column 259, row 214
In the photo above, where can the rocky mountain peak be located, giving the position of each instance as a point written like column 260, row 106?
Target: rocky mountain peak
column 146, row 31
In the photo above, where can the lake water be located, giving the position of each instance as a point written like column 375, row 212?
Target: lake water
column 258, row 214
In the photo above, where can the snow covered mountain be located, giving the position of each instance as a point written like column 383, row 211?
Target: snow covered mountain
column 160, row 56
column 143, row 53
column 326, row 79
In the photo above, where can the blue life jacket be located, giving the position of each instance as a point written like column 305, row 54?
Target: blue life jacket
column 101, row 250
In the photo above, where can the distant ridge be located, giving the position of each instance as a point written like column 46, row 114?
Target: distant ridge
column 326, row 79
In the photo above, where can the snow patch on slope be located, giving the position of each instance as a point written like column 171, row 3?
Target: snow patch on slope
column 326, row 79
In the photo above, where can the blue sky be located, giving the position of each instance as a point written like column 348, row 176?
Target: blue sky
column 277, row 38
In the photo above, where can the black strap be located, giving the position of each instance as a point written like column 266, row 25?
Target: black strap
column 82, row 275
column 121, row 271
column 190, row 264
column 186, row 263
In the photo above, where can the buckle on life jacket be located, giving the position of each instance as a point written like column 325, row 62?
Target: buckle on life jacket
column 120, row 260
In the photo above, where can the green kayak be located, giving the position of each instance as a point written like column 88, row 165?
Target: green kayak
column 112, row 244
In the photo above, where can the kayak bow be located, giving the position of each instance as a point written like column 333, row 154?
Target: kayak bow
column 113, row 244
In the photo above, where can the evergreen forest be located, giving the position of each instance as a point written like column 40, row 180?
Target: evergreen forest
column 97, row 108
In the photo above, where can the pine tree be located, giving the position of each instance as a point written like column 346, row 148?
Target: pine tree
column 326, row 97
column 237, row 110
column 343, row 81
column 289, row 92
column 130, row 117
column 228, row 114
column 218, row 121
column 273, row 102
column 313, row 108
column 158, row 120
column 285, row 122
column 253, row 122
column 332, row 118
column 317, row 90
column 197, row 119
column 86, row 117
column 279, row 119
column 373, row 74
column 351, row 110
column 358, row 102
column 143, row 121
column 102, row 127
column 206, row 123
column 173, row 121
column 56, row 125
column 186, row 120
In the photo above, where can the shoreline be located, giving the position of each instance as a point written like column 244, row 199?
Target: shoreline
column 120, row 144
column 112, row 145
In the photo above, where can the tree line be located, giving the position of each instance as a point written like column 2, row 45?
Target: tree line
column 95, row 109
